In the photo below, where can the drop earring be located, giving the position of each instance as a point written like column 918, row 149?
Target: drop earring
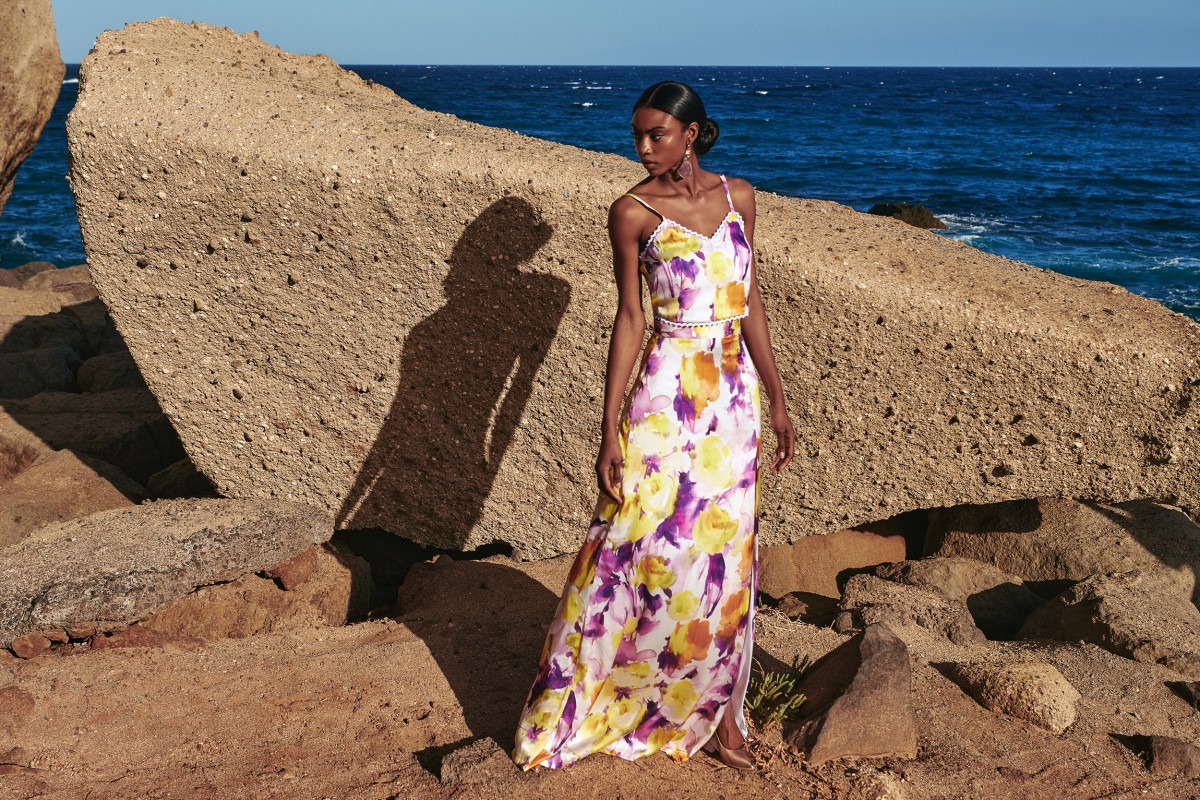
column 685, row 167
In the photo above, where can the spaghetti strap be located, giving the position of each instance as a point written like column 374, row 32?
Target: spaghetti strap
column 643, row 202
column 727, row 195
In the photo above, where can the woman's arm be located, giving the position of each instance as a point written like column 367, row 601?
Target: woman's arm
column 758, row 339
column 629, row 327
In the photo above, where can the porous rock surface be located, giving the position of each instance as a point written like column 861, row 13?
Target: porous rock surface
column 118, row 566
column 31, row 74
column 403, row 317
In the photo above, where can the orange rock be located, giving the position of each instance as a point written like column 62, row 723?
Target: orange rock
column 30, row 645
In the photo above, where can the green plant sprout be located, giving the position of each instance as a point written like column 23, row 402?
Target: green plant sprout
column 771, row 696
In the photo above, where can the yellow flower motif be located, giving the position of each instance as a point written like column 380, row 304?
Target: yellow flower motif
column 545, row 711
column 653, row 501
column 690, row 640
column 674, row 243
column 572, row 606
column 667, row 307
column 595, row 726
column 719, row 267
column 679, row 700
column 700, row 380
column 730, row 300
column 661, row 737
column 654, row 574
column 634, row 675
column 625, row 714
column 714, row 528
column 683, row 605
column 712, row 464
column 655, row 435
column 575, row 645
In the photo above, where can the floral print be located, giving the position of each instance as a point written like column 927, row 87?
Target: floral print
column 651, row 640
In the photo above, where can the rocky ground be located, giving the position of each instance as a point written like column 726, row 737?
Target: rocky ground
column 419, row 697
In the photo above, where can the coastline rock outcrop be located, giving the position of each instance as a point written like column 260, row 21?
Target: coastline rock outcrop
column 31, row 74
column 116, row 567
column 402, row 317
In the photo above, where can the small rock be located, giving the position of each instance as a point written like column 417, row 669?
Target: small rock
column 479, row 762
column 1033, row 691
column 30, row 645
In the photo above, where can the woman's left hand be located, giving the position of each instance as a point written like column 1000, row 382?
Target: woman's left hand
column 785, row 435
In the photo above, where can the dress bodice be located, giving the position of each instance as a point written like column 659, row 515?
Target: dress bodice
column 696, row 279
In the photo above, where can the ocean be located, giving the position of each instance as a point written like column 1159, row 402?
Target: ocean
column 1093, row 172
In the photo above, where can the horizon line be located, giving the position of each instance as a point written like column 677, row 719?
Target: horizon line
column 748, row 66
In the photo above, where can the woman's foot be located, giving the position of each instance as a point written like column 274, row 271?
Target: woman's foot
column 737, row 757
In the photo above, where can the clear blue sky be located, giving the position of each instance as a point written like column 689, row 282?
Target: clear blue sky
column 1044, row 33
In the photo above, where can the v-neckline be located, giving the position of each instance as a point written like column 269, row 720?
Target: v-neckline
column 668, row 221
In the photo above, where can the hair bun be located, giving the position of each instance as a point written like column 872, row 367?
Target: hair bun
column 709, row 131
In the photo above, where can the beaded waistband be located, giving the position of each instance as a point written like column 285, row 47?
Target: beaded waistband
column 707, row 328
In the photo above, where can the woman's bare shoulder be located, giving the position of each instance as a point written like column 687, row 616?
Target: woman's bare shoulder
column 740, row 188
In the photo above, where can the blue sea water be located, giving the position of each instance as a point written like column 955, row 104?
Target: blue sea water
column 1093, row 172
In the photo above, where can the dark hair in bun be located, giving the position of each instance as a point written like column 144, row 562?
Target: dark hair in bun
column 682, row 102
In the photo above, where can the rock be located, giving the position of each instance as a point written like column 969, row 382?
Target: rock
column 815, row 609
column 813, row 563
column 29, row 645
column 31, row 73
column 914, row 214
column 848, row 691
column 998, row 602
column 335, row 588
column 479, row 762
column 25, row 374
column 128, row 563
column 16, row 705
column 18, row 449
column 1033, row 691
column 1165, row 755
column 74, row 282
column 180, row 479
column 1171, row 756
column 123, row 427
column 58, row 486
column 20, row 333
column 18, row 308
column 868, row 600
column 8, row 280
column 1133, row 614
column 98, row 331
column 1052, row 543
column 340, row 269
column 109, row 371
column 137, row 635
column 31, row 268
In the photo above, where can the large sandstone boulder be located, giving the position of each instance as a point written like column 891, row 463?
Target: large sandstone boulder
column 116, row 567
column 31, row 73
column 1052, row 543
column 403, row 317
column 1133, row 614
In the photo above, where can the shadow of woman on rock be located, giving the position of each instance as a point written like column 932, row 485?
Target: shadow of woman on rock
column 465, row 375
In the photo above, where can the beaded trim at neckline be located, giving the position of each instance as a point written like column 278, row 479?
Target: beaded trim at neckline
column 668, row 221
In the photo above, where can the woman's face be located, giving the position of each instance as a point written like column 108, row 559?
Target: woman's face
column 660, row 139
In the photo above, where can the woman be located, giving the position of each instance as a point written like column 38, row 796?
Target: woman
column 650, row 646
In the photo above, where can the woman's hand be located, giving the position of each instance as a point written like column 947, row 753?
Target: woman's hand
column 785, row 435
column 608, row 468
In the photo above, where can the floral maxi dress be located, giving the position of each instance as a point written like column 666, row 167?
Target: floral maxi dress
column 652, row 638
